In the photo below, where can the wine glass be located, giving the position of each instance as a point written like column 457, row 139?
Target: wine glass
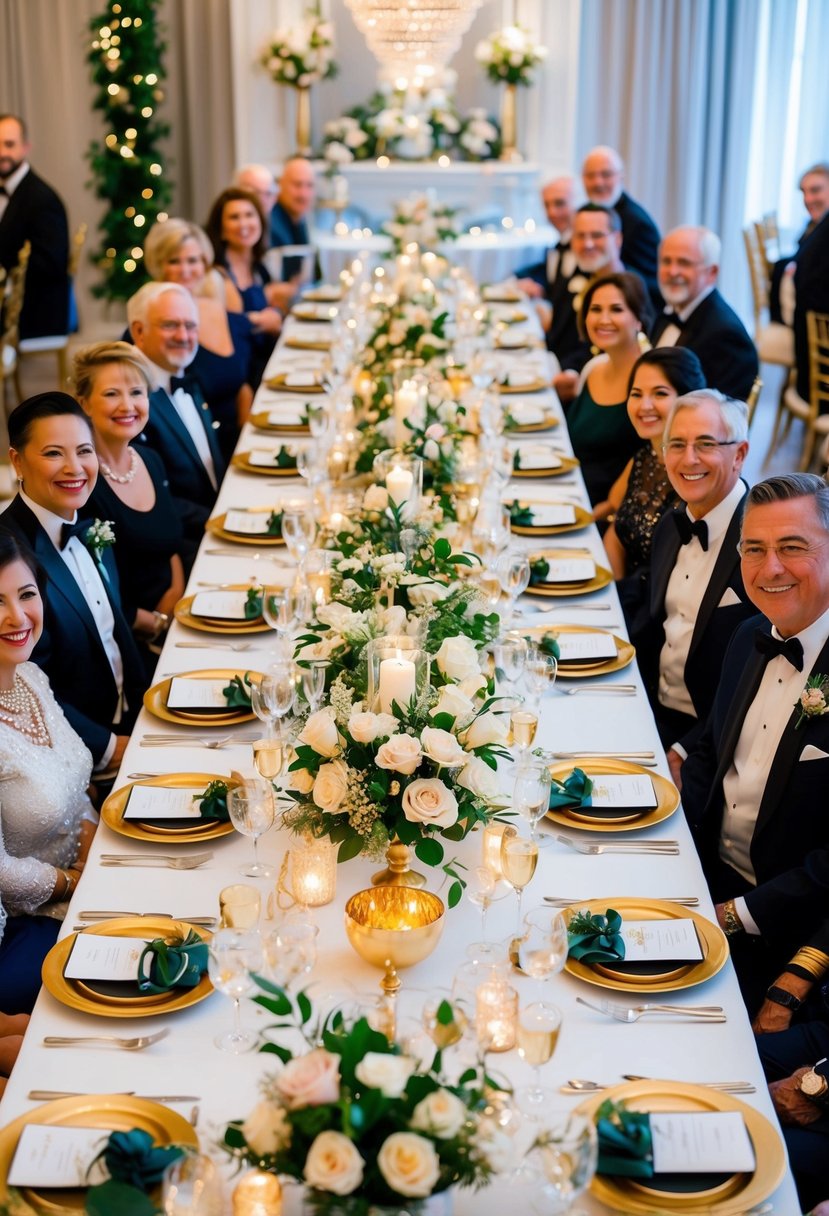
column 269, row 757
column 274, row 695
column 562, row 1163
column 232, row 958
column 299, row 530
column 284, row 608
column 543, row 946
column 251, row 808
column 538, row 1030
column 313, row 682
column 519, row 857
column 483, row 889
column 540, row 672
column 319, row 419
column 444, row 1019
column 510, row 653
column 291, row 950
column 523, row 725
column 514, row 573
column 531, row 794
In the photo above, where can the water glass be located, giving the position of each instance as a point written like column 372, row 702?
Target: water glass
column 561, row 1166
column 251, row 808
column 531, row 794
column 233, row 958
column 192, row 1186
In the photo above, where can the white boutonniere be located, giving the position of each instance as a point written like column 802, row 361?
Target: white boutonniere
column 99, row 536
column 812, row 702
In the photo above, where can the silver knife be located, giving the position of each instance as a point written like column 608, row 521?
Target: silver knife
column 49, row 1095
column 206, row 921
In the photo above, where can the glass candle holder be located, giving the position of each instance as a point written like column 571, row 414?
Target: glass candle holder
column 397, row 670
column 257, row 1194
column 496, row 1015
column 239, row 906
column 313, row 871
column 403, row 477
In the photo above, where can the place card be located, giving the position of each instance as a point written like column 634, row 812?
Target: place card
column 314, row 332
column 155, row 802
column 570, row 570
column 502, row 293
column 551, row 515
column 586, row 647
column 247, row 523
column 537, row 456
column 220, row 605
column 519, row 377
column 657, row 940
column 623, row 790
column 97, row 957
column 301, row 380
column 527, row 413
column 287, row 415
column 263, row 458
column 315, row 312
column 196, row 694
column 58, row 1157
column 703, row 1143
column 325, row 292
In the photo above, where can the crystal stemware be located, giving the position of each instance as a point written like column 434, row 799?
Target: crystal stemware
column 561, row 1164
column 514, row 572
column 482, row 890
column 251, row 809
column 232, row 959
column 531, row 794
column 543, row 945
column 519, row 858
column 538, row 1030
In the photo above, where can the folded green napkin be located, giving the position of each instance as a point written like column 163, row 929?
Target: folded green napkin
column 593, row 938
column 179, row 963
column 522, row 517
column 274, row 526
column 213, row 802
column 625, row 1145
column 549, row 645
column 285, row 459
column 136, row 1164
column 539, row 569
column 237, row 692
column 575, row 791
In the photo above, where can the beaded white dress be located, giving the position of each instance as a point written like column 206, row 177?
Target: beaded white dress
column 43, row 802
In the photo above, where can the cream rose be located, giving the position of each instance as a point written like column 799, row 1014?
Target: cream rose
column 338, row 617
column 457, row 658
column 425, row 593
column 310, row 1080
column 376, row 498
column 320, row 732
column 472, row 685
column 400, row 753
column 330, row 785
column 300, row 780
column 366, row 727
column 267, row 1129
column 409, row 1164
column 393, row 620
column 487, row 728
column 333, row 1164
column 427, row 800
column 479, row 778
column 441, row 1113
column 452, row 700
column 442, row 747
column 388, row 1073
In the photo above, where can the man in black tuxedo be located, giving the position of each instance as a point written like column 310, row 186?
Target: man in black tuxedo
column 30, row 210
column 811, row 285
column 164, row 325
column 754, row 786
column 696, row 594
column 602, row 173
column 698, row 317
column 87, row 649
column 558, row 197
column 814, row 186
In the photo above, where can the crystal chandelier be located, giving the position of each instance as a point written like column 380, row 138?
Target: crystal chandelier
column 412, row 39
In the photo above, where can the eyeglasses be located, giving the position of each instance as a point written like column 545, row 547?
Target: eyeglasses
column 170, row 327
column 700, row 447
column 790, row 551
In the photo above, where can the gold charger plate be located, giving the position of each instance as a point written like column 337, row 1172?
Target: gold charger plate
column 734, row 1197
column 514, row 318
column 112, row 812
column 213, row 624
column 667, row 795
column 314, row 313
column 547, row 423
column 523, row 344
column 625, row 654
column 241, row 460
column 262, row 423
column 110, row 1112
column 583, row 519
column 600, row 579
column 712, row 939
column 79, row 996
column 216, row 527
column 566, row 465
column 278, row 383
column 534, row 386
column 324, row 294
column 307, row 344
column 155, row 700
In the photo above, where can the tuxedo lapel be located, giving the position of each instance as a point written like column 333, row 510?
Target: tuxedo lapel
column 61, row 580
column 720, row 577
column 166, row 415
column 210, row 430
column 745, row 693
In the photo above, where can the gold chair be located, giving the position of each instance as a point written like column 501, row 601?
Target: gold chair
column 752, row 399
column 15, row 285
column 814, row 413
column 57, row 344
column 768, row 234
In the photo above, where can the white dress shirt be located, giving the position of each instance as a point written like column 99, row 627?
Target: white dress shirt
column 686, row 587
column 671, row 332
column 190, row 415
column 565, row 260
column 11, row 183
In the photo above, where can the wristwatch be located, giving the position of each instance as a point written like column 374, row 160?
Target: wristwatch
column 781, row 997
column 732, row 924
column 162, row 624
column 814, row 1085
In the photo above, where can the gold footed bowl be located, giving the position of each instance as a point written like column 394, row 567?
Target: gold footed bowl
column 394, row 927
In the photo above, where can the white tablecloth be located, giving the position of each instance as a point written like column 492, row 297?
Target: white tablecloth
column 591, row 1046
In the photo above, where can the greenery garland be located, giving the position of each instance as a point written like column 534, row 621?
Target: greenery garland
column 126, row 56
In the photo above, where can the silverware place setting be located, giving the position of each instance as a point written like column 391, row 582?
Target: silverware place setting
column 106, row 1040
column 125, row 860
column 561, row 901
column 632, row 1013
column 49, row 1095
column 603, row 755
column 205, row 922
column 616, row 690
column 238, row 646
column 668, row 848
column 578, row 1086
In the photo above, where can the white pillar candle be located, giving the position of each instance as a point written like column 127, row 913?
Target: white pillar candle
column 405, row 400
column 399, row 485
column 397, row 683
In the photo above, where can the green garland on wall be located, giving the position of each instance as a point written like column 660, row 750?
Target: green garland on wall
column 128, row 167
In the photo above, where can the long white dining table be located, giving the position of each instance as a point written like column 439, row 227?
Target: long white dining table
column 591, row 1046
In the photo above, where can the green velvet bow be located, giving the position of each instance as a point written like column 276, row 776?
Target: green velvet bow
column 625, row 1142
column 213, row 802
column 179, row 963
column 237, row 692
column 539, row 569
column 253, row 601
column 135, row 1165
column 593, row 938
column 576, row 790
column 521, row 516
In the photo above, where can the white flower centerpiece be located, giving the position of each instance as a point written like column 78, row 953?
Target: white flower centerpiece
column 510, row 57
column 301, row 55
column 421, row 220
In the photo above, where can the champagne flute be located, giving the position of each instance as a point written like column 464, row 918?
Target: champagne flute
column 510, row 653
column 543, row 947
column 540, row 672
column 538, row 1030
column 269, row 757
column 523, row 724
column 232, row 958
column 519, row 858
column 313, row 682
column 299, row 529
column 514, row 572
column 251, row 808
column 482, row 890
column 531, row 794
column 562, row 1163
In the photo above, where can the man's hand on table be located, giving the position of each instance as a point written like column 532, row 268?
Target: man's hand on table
column 793, row 1109
column 531, row 288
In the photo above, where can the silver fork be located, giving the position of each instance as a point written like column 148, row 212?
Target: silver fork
column 161, row 737
column 107, row 1040
column 140, row 859
column 570, row 608
column 687, row 901
column 632, row 1013
column 619, row 690
column 667, row 847
column 602, row 755
column 213, row 645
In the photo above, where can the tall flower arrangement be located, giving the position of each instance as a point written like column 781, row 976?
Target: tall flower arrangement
column 510, row 55
column 301, row 54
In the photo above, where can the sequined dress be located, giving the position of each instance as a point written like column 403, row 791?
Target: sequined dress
column 649, row 495
column 43, row 802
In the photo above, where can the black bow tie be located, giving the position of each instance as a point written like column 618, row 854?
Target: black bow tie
column 186, row 382
column 770, row 647
column 689, row 528
column 67, row 531
column 4, row 192
column 673, row 318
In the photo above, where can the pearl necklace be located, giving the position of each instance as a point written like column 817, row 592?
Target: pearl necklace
column 22, row 710
column 129, row 476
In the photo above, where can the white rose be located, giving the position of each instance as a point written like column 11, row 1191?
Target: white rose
column 487, row 728
column 393, row 620
column 472, row 685
column 333, row 1164
column 400, row 753
column 267, row 1129
column 427, row 800
column 320, row 732
column 385, row 1072
column 409, row 1164
column 479, row 779
column 452, row 700
column 442, row 747
column 366, row 727
column 330, row 785
column 310, row 1080
column 319, row 651
column 300, row 780
column 376, row 498
column 337, row 616
column 426, row 593
column 457, row 658
column 441, row 1113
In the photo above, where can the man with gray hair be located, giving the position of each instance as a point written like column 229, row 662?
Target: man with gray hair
column 754, row 786
column 696, row 593
column 698, row 317
column 259, row 180
column 603, row 174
